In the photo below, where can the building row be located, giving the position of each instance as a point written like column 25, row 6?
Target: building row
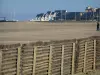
column 61, row 15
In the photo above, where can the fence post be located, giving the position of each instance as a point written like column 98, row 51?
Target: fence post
column 62, row 60
column 73, row 59
column 18, row 60
column 85, row 58
column 34, row 60
column 50, row 61
column 0, row 61
column 94, row 65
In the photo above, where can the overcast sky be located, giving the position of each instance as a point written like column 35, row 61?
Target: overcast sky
column 32, row 7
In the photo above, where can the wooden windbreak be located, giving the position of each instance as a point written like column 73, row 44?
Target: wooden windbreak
column 86, row 55
column 66, row 57
column 8, row 59
column 98, row 53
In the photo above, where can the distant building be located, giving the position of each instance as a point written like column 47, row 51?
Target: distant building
column 98, row 10
column 90, row 9
column 90, row 14
column 60, row 14
column 98, row 14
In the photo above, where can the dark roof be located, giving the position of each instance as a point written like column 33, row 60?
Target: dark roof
column 40, row 15
column 48, row 12
column 52, row 13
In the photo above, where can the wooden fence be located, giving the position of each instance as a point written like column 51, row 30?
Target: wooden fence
column 66, row 57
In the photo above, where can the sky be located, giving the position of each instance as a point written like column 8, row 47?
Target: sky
column 27, row 9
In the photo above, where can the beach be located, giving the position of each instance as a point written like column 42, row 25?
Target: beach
column 24, row 32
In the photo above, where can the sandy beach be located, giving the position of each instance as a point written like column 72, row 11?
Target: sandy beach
column 23, row 32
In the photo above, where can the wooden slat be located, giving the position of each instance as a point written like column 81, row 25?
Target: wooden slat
column 0, row 61
column 62, row 60
column 34, row 61
column 18, row 61
column 50, row 61
column 9, row 70
column 73, row 59
column 11, row 73
column 85, row 58
column 94, row 64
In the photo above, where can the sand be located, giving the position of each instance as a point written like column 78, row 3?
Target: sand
column 24, row 32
